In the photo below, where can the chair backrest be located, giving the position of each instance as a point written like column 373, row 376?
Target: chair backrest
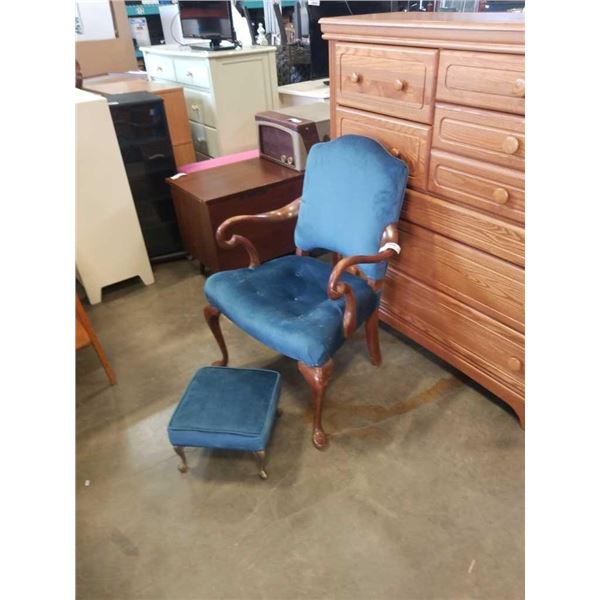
column 353, row 189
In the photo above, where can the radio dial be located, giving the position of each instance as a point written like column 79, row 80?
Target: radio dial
column 290, row 160
column 283, row 158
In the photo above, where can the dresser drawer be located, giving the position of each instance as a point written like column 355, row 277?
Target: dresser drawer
column 459, row 334
column 496, row 190
column 481, row 134
column 189, row 71
column 205, row 139
column 408, row 141
column 159, row 67
column 494, row 236
column 399, row 82
column 488, row 284
column 199, row 106
column 484, row 80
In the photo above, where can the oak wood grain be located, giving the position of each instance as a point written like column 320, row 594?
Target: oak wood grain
column 406, row 140
column 492, row 286
column 495, row 190
column 399, row 82
column 484, row 80
column 481, row 134
column 484, row 232
column 479, row 340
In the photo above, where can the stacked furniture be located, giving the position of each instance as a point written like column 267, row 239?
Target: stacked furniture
column 223, row 91
column 174, row 103
column 445, row 92
column 141, row 127
column 109, row 242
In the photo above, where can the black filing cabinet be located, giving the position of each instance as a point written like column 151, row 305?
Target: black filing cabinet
column 141, row 127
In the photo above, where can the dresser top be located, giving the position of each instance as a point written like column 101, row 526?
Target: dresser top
column 499, row 32
column 188, row 52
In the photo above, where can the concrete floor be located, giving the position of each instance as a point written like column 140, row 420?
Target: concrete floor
column 419, row 496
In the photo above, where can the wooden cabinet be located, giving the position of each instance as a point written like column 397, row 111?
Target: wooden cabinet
column 204, row 199
column 445, row 92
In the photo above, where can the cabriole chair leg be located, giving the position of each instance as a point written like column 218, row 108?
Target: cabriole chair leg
column 212, row 314
column 372, row 331
column 317, row 378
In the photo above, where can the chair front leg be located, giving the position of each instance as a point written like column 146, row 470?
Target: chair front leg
column 317, row 378
column 372, row 331
column 212, row 314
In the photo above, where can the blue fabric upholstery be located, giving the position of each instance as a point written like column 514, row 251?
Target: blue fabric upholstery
column 227, row 408
column 353, row 189
column 283, row 303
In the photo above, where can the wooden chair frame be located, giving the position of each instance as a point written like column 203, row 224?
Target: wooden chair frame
column 87, row 337
column 316, row 377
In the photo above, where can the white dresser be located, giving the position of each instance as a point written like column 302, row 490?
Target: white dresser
column 223, row 91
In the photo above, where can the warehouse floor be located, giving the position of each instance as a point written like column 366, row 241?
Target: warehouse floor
column 420, row 494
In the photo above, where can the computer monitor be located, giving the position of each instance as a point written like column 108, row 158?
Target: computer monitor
column 206, row 20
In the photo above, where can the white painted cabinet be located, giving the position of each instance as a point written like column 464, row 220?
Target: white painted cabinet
column 223, row 91
column 109, row 246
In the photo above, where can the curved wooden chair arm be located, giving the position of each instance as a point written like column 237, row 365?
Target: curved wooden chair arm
column 289, row 211
column 336, row 289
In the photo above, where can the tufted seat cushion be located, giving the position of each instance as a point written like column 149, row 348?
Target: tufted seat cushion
column 283, row 304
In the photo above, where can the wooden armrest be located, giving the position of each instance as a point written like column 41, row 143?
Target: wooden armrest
column 336, row 289
column 289, row 211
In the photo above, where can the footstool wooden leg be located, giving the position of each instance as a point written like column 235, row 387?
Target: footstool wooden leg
column 261, row 457
column 183, row 467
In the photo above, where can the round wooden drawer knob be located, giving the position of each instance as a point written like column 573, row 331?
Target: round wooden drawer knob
column 395, row 152
column 501, row 195
column 510, row 145
column 399, row 84
column 355, row 77
column 514, row 364
column 519, row 88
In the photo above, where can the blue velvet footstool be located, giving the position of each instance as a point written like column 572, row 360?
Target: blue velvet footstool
column 227, row 408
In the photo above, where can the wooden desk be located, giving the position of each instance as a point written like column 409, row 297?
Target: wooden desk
column 203, row 200
column 175, row 109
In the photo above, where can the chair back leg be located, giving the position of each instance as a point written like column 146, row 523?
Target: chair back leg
column 317, row 378
column 372, row 331
column 212, row 314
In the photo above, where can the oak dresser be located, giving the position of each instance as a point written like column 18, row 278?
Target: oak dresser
column 446, row 92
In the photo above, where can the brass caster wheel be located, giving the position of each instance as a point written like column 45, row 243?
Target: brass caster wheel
column 182, row 468
column 263, row 474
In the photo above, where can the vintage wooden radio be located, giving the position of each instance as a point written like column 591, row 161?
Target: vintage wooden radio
column 285, row 136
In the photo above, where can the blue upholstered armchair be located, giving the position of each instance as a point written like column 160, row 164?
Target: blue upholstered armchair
column 298, row 305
